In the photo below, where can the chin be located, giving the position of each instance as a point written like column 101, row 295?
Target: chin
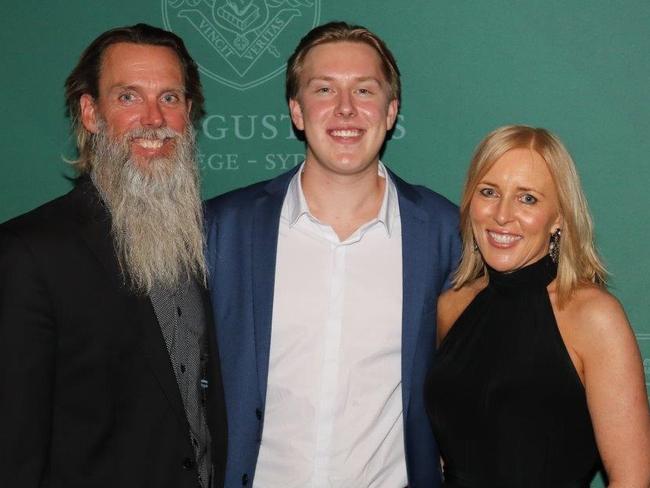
column 504, row 264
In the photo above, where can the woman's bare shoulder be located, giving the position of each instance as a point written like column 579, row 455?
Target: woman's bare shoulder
column 593, row 320
column 593, row 309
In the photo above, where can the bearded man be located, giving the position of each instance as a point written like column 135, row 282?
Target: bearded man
column 108, row 363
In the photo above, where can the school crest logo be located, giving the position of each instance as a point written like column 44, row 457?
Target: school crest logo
column 241, row 43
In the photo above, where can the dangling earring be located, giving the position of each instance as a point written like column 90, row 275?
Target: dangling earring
column 554, row 245
column 474, row 245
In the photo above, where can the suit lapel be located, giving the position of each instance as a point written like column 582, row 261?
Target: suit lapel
column 414, row 234
column 266, row 223
column 216, row 409
column 95, row 227
column 155, row 351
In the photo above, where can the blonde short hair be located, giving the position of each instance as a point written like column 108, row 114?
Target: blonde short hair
column 341, row 32
column 578, row 260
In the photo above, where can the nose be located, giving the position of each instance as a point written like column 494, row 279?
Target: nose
column 152, row 116
column 503, row 213
column 345, row 105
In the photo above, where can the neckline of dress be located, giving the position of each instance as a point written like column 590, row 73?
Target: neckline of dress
column 536, row 275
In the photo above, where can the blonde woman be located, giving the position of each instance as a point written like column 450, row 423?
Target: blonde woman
column 538, row 377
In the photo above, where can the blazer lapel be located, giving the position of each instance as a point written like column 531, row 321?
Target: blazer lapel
column 96, row 231
column 414, row 233
column 156, row 352
column 95, row 225
column 266, row 224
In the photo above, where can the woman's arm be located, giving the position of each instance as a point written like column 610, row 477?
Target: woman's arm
column 614, row 381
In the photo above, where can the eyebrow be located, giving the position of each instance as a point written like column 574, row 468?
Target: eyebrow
column 331, row 78
column 519, row 188
column 124, row 86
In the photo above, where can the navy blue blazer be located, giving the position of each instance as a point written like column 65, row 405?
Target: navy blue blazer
column 242, row 235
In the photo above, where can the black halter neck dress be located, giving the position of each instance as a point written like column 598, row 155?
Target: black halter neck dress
column 506, row 404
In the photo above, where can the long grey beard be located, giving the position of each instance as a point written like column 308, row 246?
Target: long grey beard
column 157, row 218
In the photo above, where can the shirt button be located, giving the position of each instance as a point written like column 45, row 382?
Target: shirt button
column 258, row 414
column 178, row 311
column 182, row 368
column 244, row 479
column 188, row 463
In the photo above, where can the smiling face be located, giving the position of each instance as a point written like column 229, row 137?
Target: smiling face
column 343, row 106
column 140, row 87
column 514, row 210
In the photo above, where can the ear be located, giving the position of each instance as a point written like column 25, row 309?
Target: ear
column 189, row 107
column 89, row 113
column 558, row 224
column 296, row 114
column 391, row 116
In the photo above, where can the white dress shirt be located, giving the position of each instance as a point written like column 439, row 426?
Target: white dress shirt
column 333, row 413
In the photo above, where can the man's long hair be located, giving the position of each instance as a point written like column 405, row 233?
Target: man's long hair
column 84, row 78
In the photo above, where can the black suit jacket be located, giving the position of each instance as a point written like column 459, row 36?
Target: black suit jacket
column 88, row 396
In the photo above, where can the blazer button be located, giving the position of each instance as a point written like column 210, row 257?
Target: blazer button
column 258, row 414
column 244, row 479
column 188, row 463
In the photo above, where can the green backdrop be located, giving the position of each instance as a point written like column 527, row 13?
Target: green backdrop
column 578, row 67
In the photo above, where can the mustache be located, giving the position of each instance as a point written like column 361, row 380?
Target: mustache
column 105, row 145
column 116, row 152
column 150, row 133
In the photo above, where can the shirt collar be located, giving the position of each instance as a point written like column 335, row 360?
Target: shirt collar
column 296, row 203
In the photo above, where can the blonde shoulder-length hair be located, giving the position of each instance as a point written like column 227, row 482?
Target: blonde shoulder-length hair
column 578, row 261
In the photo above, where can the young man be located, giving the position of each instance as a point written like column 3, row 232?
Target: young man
column 324, row 283
column 108, row 367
